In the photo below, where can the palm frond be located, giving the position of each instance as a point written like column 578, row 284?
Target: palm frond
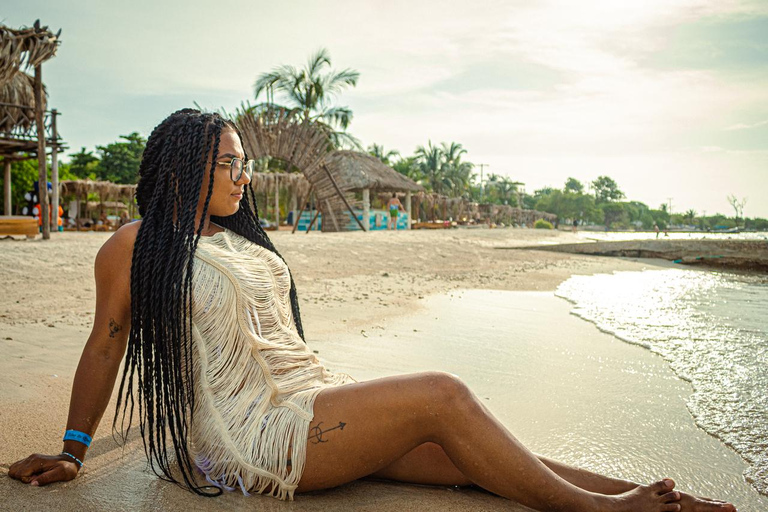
column 318, row 60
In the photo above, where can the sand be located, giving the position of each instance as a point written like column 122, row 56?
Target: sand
column 354, row 288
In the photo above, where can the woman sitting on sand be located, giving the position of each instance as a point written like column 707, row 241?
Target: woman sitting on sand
column 208, row 312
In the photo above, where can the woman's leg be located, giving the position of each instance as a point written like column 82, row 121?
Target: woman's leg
column 428, row 464
column 361, row 428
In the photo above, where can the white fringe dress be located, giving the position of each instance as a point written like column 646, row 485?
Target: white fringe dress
column 255, row 379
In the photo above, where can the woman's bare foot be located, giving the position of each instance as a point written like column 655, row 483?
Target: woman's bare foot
column 693, row 504
column 657, row 497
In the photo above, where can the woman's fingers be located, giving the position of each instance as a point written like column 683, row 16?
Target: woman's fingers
column 57, row 473
column 42, row 469
column 26, row 467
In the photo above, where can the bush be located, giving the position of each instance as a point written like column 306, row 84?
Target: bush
column 542, row 224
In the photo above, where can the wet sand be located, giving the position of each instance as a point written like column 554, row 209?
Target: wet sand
column 354, row 289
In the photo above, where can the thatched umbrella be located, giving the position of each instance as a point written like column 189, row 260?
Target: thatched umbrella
column 19, row 90
column 26, row 47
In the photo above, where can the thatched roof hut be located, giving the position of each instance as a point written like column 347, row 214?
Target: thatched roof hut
column 266, row 182
column 359, row 171
column 105, row 189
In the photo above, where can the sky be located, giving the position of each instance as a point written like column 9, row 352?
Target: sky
column 669, row 98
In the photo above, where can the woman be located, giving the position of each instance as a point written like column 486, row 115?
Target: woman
column 209, row 315
column 394, row 205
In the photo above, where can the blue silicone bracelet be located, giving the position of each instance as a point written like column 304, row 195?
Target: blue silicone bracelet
column 80, row 437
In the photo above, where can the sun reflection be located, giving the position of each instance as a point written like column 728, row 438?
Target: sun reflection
column 710, row 327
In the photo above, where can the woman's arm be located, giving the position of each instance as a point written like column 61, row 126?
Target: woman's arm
column 99, row 362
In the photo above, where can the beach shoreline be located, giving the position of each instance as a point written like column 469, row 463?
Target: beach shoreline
column 351, row 286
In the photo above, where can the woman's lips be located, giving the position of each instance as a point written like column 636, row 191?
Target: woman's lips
column 239, row 196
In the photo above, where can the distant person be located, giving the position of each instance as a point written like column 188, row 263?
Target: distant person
column 104, row 220
column 394, row 205
column 124, row 219
column 38, row 214
column 656, row 229
column 575, row 225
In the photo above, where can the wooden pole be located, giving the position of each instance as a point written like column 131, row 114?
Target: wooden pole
column 42, row 172
column 55, row 172
column 332, row 216
column 338, row 190
column 277, row 202
column 7, row 186
column 366, row 209
column 303, row 207
column 309, row 228
column 408, row 210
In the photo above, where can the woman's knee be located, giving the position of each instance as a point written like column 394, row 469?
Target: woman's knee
column 450, row 390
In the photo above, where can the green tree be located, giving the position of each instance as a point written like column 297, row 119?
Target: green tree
column 457, row 173
column 381, row 154
column 310, row 91
column 689, row 217
column 24, row 174
column 614, row 214
column 430, row 162
column 84, row 165
column 573, row 185
column 120, row 160
column 409, row 167
column 606, row 190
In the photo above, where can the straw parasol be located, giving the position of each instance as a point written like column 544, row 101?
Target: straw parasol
column 358, row 171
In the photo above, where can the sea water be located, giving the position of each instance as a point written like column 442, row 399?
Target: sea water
column 712, row 328
column 562, row 387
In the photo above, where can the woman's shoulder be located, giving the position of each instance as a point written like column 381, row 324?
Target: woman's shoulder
column 120, row 245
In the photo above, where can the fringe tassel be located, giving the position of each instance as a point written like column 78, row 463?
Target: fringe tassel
column 256, row 380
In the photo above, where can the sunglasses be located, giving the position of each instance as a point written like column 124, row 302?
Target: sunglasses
column 238, row 166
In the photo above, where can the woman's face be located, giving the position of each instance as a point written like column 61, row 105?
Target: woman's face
column 226, row 195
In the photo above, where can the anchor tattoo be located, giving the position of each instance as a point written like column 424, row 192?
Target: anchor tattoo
column 316, row 435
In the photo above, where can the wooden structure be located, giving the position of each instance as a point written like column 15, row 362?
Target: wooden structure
column 332, row 176
column 360, row 172
column 26, row 128
column 304, row 145
column 431, row 208
column 18, row 225
column 270, row 183
column 107, row 191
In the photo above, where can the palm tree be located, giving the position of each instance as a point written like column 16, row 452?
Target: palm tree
column 385, row 156
column 430, row 162
column 458, row 174
column 310, row 91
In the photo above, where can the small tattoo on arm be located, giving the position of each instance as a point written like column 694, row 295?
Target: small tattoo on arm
column 316, row 432
column 114, row 327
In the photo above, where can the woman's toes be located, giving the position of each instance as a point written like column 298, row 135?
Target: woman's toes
column 670, row 497
column 671, row 507
column 663, row 486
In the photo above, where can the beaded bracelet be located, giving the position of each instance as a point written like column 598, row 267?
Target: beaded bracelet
column 76, row 435
column 75, row 459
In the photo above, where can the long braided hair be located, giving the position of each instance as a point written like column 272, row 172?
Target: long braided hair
column 159, row 355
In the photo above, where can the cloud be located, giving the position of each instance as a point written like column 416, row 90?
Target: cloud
column 742, row 126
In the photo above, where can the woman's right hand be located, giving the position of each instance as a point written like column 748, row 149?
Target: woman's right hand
column 40, row 469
